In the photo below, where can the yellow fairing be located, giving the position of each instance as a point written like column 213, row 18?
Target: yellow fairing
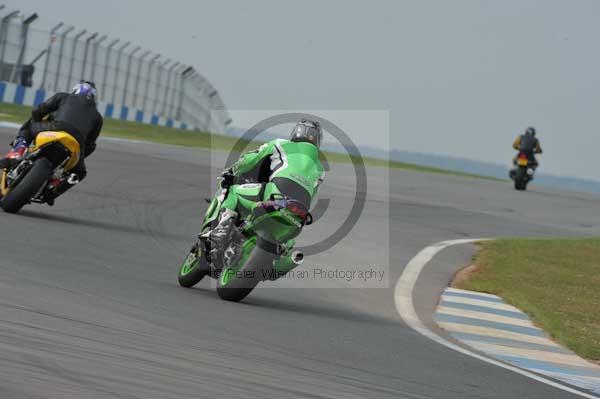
column 523, row 162
column 3, row 189
column 42, row 140
column 70, row 143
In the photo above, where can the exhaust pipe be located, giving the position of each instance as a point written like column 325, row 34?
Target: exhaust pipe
column 287, row 263
column 297, row 257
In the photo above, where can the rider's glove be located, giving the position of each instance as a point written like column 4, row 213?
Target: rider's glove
column 227, row 178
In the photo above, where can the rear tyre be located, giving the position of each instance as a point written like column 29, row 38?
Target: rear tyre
column 240, row 284
column 29, row 186
column 193, row 269
column 521, row 180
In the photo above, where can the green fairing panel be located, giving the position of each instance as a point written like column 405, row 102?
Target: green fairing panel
column 243, row 197
column 270, row 189
column 213, row 210
column 282, row 225
column 247, row 196
column 249, row 190
column 246, row 205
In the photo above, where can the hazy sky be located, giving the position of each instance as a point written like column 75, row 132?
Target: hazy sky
column 458, row 77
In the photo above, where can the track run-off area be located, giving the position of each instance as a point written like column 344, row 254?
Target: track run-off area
column 90, row 306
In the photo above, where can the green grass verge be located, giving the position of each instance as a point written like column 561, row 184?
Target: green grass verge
column 556, row 282
column 164, row 135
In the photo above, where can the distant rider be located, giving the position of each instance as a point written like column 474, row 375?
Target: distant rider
column 75, row 113
column 293, row 166
column 529, row 145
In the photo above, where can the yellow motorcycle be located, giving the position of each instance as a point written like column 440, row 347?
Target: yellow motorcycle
column 523, row 173
column 43, row 168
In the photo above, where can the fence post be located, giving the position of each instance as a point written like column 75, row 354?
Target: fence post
column 196, row 81
column 167, row 88
column 106, row 61
column 119, row 53
column 158, row 78
column 95, row 57
column 194, row 78
column 51, row 40
column 137, row 78
column 171, row 88
column 147, row 85
column 127, row 72
column 24, row 34
column 73, row 50
column 176, row 87
column 63, row 36
column 4, row 32
column 85, row 54
column 187, row 71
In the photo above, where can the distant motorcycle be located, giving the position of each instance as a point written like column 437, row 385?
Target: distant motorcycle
column 44, row 167
column 259, row 249
column 523, row 173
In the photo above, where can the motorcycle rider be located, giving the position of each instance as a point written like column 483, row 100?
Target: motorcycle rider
column 528, row 144
column 292, row 165
column 75, row 113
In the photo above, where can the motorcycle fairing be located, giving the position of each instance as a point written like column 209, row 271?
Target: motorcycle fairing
column 69, row 142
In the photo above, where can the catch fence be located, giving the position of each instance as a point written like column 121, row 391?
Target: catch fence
column 133, row 83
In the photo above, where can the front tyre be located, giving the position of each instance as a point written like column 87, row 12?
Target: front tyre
column 30, row 185
column 193, row 269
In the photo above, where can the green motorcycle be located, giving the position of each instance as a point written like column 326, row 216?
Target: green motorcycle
column 260, row 248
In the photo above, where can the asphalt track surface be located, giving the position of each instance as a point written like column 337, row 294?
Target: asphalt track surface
column 90, row 306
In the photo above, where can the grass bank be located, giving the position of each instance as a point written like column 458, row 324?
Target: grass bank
column 556, row 282
column 164, row 135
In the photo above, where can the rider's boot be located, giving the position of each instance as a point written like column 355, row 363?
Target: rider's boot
column 222, row 230
column 60, row 187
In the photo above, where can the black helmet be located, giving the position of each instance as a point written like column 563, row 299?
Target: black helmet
column 530, row 130
column 307, row 131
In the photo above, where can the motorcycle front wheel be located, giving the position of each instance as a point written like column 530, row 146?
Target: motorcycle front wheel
column 193, row 269
column 30, row 185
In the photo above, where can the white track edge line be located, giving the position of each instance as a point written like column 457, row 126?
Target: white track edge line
column 405, row 308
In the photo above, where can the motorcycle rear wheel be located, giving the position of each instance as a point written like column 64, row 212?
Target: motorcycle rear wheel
column 33, row 181
column 235, row 286
column 521, row 180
